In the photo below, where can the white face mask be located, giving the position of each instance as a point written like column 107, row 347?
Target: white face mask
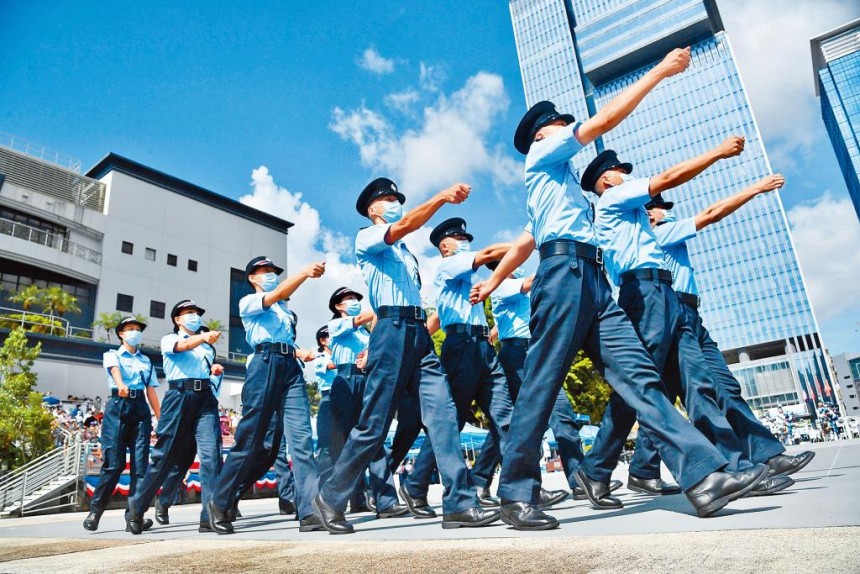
column 191, row 321
column 625, row 177
column 463, row 246
column 353, row 307
column 519, row 273
column 669, row 217
column 132, row 337
column 392, row 211
column 268, row 281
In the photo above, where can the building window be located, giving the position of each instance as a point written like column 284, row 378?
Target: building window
column 127, row 247
column 124, row 302
column 25, row 226
column 171, row 260
column 192, row 265
column 238, row 288
column 156, row 309
column 150, row 254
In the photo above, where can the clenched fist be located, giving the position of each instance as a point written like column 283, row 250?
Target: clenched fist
column 457, row 193
column 211, row 337
column 769, row 183
column 315, row 270
column 675, row 62
column 732, row 146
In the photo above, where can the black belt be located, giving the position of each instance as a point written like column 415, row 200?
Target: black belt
column 189, row 384
column 132, row 394
column 689, row 299
column 473, row 330
column 280, row 348
column 652, row 274
column 389, row 311
column 516, row 342
column 568, row 246
column 349, row 369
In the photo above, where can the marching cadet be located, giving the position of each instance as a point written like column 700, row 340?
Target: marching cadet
column 572, row 308
column 400, row 359
column 190, row 409
column 636, row 264
column 511, row 304
column 127, row 421
column 325, row 372
column 469, row 360
column 274, row 386
column 349, row 339
column 758, row 443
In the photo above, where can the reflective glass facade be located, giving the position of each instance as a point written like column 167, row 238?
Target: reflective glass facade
column 754, row 298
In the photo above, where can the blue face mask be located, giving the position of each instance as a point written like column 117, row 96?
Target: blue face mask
column 353, row 307
column 191, row 321
column 625, row 177
column 463, row 246
column 519, row 273
column 132, row 337
column 268, row 281
column 392, row 211
column 669, row 217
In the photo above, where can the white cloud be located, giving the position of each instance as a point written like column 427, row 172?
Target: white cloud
column 827, row 235
column 771, row 43
column 309, row 242
column 374, row 62
column 403, row 101
column 430, row 78
column 449, row 143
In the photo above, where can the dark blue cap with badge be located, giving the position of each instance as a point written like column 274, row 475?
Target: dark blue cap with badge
column 377, row 188
column 338, row 296
column 257, row 262
column 322, row 333
column 449, row 227
column 539, row 115
column 605, row 160
column 657, row 202
column 181, row 306
column 128, row 321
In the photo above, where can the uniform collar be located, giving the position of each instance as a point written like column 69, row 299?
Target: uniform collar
column 123, row 349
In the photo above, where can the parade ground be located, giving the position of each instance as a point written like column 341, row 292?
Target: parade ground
column 812, row 527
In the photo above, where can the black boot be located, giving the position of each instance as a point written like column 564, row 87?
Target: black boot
column 719, row 488
column 550, row 497
column 233, row 513
column 286, row 506
column 162, row 514
column 91, row 522
column 579, row 494
column 417, row 506
column 597, row 493
column 332, row 520
column 487, row 500
column 524, row 516
column 310, row 523
column 133, row 522
column 470, row 518
column 654, row 486
column 204, row 527
column 789, row 464
column 218, row 520
column 771, row 485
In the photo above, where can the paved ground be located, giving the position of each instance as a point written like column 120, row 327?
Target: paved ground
column 811, row 527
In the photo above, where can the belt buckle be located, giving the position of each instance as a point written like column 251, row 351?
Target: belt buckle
column 599, row 256
column 283, row 348
column 485, row 332
column 132, row 393
column 198, row 384
column 417, row 312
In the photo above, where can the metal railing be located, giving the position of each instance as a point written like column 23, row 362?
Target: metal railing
column 238, row 357
column 25, row 146
column 41, row 323
column 20, row 489
column 48, row 239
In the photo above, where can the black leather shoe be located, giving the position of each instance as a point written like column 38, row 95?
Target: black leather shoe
column 218, row 520
column 162, row 513
column 393, row 511
column 524, row 516
column 332, row 520
column 286, row 506
column 579, row 494
column 91, row 522
column 470, row 518
column 134, row 522
column 311, row 523
column 417, row 506
column 204, row 527
column 487, row 500
column 719, row 488
column 654, row 486
column 551, row 497
column 771, row 485
column 359, row 508
column 789, row 464
column 232, row 513
column 597, row 493
column 371, row 501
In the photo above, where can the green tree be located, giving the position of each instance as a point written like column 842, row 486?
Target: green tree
column 214, row 325
column 50, row 301
column 586, row 389
column 108, row 322
column 25, row 424
column 27, row 297
column 313, row 397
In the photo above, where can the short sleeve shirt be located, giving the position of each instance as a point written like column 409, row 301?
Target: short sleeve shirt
column 192, row 364
column 347, row 340
column 390, row 271
column 511, row 310
column 452, row 284
column 265, row 324
column 134, row 368
column 672, row 237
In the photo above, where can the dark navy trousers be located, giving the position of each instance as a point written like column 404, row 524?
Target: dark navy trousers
column 273, row 386
column 562, row 421
column 346, row 400
column 172, row 486
column 756, row 441
column 656, row 314
column 126, row 425
column 273, row 457
column 185, row 416
column 408, row 428
column 475, row 375
column 401, row 360
column 572, row 308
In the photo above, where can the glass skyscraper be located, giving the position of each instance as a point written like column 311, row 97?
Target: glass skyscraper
column 582, row 53
column 836, row 62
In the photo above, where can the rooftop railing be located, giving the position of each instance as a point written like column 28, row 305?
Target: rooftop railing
column 48, row 239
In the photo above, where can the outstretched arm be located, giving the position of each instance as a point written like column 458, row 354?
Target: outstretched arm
column 491, row 253
column 686, row 170
column 289, row 285
column 418, row 216
column 622, row 105
column 516, row 256
column 717, row 211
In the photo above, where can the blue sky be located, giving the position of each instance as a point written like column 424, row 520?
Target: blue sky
column 327, row 95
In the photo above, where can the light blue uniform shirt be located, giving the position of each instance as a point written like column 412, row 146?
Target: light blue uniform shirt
column 390, row 271
column 135, row 369
column 453, row 281
column 672, row 237
column 511, row 310
column 325, row 376
column 347, row 340
column 265, row 325
column 555, row 204
column 624, row 231
column 193, row 364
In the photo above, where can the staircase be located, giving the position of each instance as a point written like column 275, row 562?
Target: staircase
column 45, row 484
